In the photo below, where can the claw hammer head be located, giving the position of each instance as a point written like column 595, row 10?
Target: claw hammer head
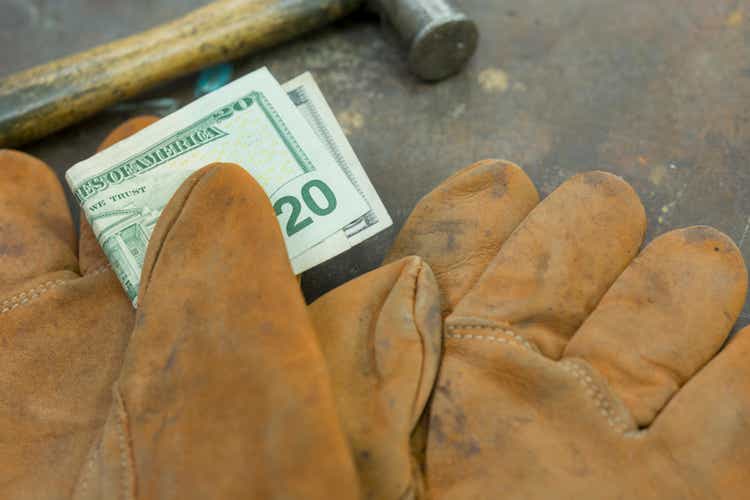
column 439, row 37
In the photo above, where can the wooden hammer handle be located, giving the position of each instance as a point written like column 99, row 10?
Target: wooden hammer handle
column 46, row 98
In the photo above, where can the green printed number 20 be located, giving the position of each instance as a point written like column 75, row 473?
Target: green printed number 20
column 294, row 225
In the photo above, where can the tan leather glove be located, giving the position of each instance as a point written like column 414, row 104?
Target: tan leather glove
column 573, row 368
column 220, row 391
column 224, row 392
column 381, row 336
column 381, row 333
column 64, row 326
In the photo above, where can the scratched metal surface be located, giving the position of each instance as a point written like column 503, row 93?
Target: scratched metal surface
column 653, row 90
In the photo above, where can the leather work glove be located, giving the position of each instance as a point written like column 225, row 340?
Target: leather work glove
column 64, row 326
column 573, row 366
column 381, row 334
column 218, row 389
column 381, row 337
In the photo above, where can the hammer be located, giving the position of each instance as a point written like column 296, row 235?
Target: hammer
column 46, row 98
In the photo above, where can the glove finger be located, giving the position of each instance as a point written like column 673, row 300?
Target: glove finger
column 381, row 337
column 554, row 268
column 224, row 378
column 459, row 227
column 127, row 129
column 36, row 230
column 664, row 318
column 90, row 254
column 705, row 426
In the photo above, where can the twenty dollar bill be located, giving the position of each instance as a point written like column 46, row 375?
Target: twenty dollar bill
column 310, row 102
column 251, row 122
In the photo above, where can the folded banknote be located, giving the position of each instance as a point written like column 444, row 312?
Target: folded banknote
column 291, row 144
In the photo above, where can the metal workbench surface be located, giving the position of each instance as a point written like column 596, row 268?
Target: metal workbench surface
column 653, row 90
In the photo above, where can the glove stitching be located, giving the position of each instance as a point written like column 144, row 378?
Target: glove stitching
column 87, row 473
column 594, row 392
column 422, row 340
column 511, row 337
column 127, row 477
column 26, row 296
column 93, row 270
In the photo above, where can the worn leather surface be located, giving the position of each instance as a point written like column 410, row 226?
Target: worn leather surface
column 225, row 385
column 64, row 326
column 224, row 391
column 571, row 364
column 575, row 367
column 217, row 389
column 381, row 336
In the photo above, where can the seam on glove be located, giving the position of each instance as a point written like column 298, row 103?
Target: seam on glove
column 415, row 291
column 88, row 469
column 104, row 263
column 408, row 494
column 127, row 474
column 506, row 336
column 23, row 298
column 600, row 399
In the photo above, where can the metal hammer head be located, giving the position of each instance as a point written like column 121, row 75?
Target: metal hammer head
column 439, row 37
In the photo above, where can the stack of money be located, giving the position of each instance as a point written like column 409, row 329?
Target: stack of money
column 286, row 136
